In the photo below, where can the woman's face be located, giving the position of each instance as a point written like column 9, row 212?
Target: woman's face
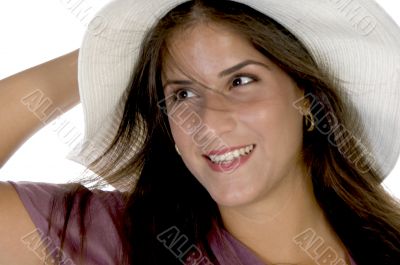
column 231, row 114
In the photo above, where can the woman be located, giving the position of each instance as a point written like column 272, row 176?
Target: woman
column 246, row 148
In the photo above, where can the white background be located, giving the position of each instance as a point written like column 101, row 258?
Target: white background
column 33, row 32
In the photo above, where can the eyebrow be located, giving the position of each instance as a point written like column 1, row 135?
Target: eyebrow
column 240, row 66
column 225, row 72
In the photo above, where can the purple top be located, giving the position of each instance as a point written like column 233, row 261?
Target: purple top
column 103, row 243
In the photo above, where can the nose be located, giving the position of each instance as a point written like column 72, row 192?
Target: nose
column 221, row 121
column 214, row 125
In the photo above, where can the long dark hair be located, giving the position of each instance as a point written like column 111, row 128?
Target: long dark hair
column 166, row 195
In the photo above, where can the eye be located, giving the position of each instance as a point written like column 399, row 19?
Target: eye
column 182, row 94
column 242, row 80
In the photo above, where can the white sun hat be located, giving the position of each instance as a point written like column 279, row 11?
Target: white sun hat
column 354, row 40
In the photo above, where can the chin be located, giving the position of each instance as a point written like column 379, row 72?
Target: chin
column 232, row 198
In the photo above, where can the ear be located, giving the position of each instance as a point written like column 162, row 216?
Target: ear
column 303, row 103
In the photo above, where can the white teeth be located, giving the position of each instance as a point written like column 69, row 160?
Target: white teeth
column 228, row 157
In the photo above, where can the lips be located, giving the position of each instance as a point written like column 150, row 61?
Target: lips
column 227, row 155
column 229, row 159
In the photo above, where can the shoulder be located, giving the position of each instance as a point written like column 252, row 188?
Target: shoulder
column 15, row 226
column 45, row 203
column 42, row 200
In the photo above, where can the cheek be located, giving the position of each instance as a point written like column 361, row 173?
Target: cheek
column 176, row 131
column 182, row 137
column 187, row 147
column 277, row 125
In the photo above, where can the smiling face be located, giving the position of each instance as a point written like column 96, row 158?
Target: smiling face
column 242, row 102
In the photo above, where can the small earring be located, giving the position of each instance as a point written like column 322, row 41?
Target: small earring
column 309, row 119
column 177, row 150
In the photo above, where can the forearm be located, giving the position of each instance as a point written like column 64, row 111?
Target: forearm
column 33, row 98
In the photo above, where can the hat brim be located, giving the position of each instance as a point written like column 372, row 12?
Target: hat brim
column 354, row 41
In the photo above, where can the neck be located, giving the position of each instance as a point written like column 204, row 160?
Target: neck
column 287, row 226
